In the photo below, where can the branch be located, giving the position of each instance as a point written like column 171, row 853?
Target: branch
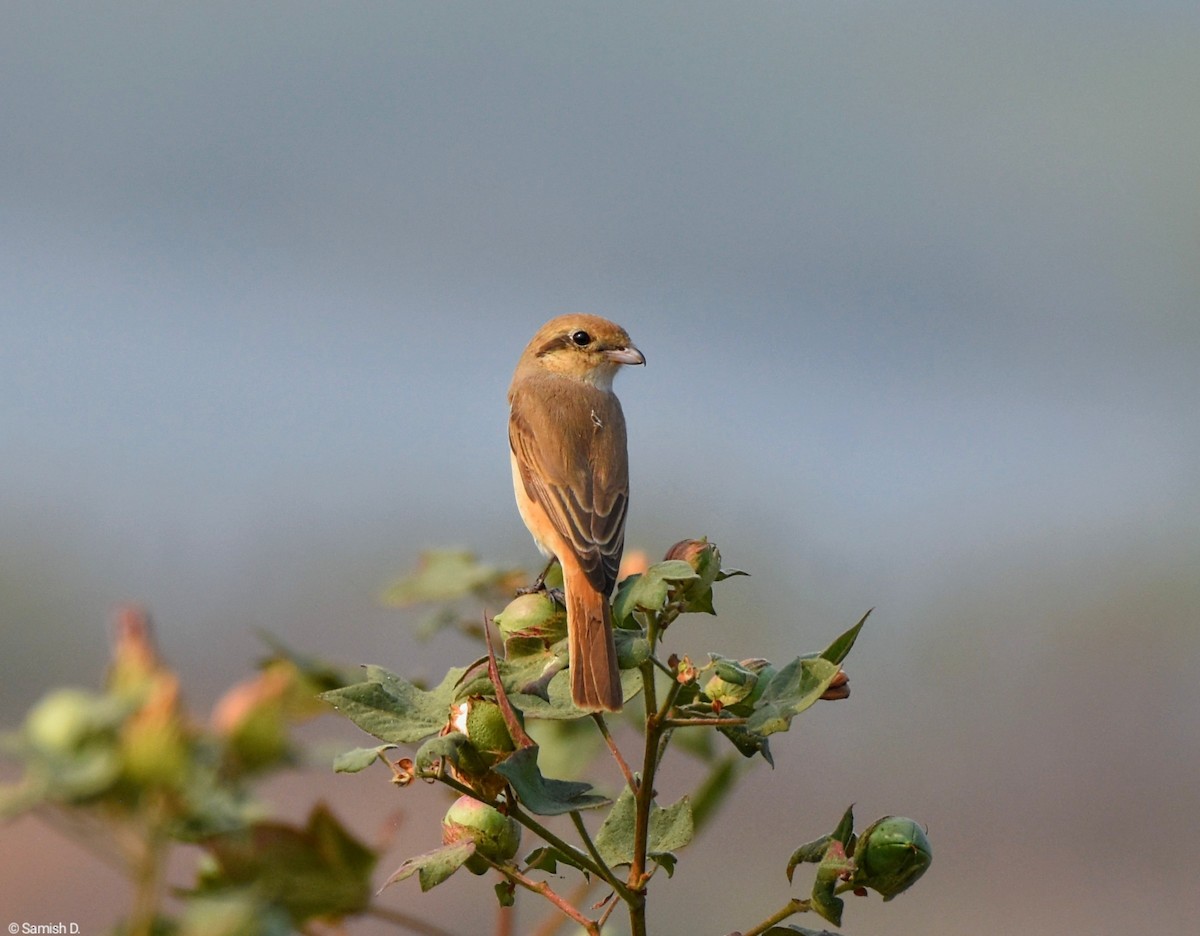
column 607, row 875
column 598, row 718
column 792, row 907
column 541, row 887
column 554, row 922
column 704, row 722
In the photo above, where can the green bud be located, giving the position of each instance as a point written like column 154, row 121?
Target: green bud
column 891, row 855
column 705, row 560
column 533, row 615
column 496, row 836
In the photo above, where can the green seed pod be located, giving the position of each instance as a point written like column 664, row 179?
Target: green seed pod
column 496, row 836
column 891, row 855
column 533, row 616
column 482, row 722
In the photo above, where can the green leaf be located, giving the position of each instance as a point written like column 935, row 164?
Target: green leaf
column 454, row 747
column 393, row 709
column 748, row 742
column 844, row 832
column 433, row 867
column 529, row 666
column 547, row 858
column 359, row 759
column 633, row 649
column 670, row 829
column 442, row 575
column 667, row 860
column 824, row 898
column 790, row 929
column 837, row 651
column 506, row 893
column 544, row 796
column 231, row 913
column 320, row 870
column 557, row 702
column 650, row 590
column 791, row 690
column 810, row 852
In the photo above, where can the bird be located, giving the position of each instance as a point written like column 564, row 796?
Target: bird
column 570, row 468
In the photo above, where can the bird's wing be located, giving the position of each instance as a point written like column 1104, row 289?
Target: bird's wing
column 571, row 452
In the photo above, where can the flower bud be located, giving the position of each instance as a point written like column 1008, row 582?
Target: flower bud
column 154, row 741
column 496, row 836
column 702, row 556
column 891, row 855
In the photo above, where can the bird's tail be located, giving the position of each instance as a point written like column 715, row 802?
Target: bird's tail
column 595, row 679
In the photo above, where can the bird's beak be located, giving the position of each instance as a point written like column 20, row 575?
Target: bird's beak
column 630, row 355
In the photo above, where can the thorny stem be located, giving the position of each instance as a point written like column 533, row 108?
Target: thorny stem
column 791, row 908
column 541, row 887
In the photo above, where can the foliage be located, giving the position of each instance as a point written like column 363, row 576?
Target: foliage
column 137, row 775
column 134, row 776
column 474, row 733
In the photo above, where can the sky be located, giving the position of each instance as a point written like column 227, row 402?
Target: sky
column 918, row 288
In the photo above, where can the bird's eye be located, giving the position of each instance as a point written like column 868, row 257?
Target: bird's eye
column 581, row 338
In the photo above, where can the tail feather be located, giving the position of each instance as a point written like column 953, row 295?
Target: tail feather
column 595, row 679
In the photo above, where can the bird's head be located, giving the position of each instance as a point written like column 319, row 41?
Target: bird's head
column 585, row 347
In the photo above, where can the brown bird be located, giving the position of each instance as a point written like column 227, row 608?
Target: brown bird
column 571, row 477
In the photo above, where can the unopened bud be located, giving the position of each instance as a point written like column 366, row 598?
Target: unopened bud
column 891, row 855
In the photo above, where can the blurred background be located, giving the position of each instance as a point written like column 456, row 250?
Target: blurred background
column 919, row 289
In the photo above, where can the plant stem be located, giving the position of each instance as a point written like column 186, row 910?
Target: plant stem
column 644, row 794
column 704, row 722
column 607, row 875
column 792, row 907
column 532, row 825
column 541, row 887
column 553, row 923
column 148, row 873
column 598, row 718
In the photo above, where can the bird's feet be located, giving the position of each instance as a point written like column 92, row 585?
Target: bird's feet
column 539, row 584
column 554, row 594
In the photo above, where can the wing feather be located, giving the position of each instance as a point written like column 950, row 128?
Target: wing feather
column 569, row 442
